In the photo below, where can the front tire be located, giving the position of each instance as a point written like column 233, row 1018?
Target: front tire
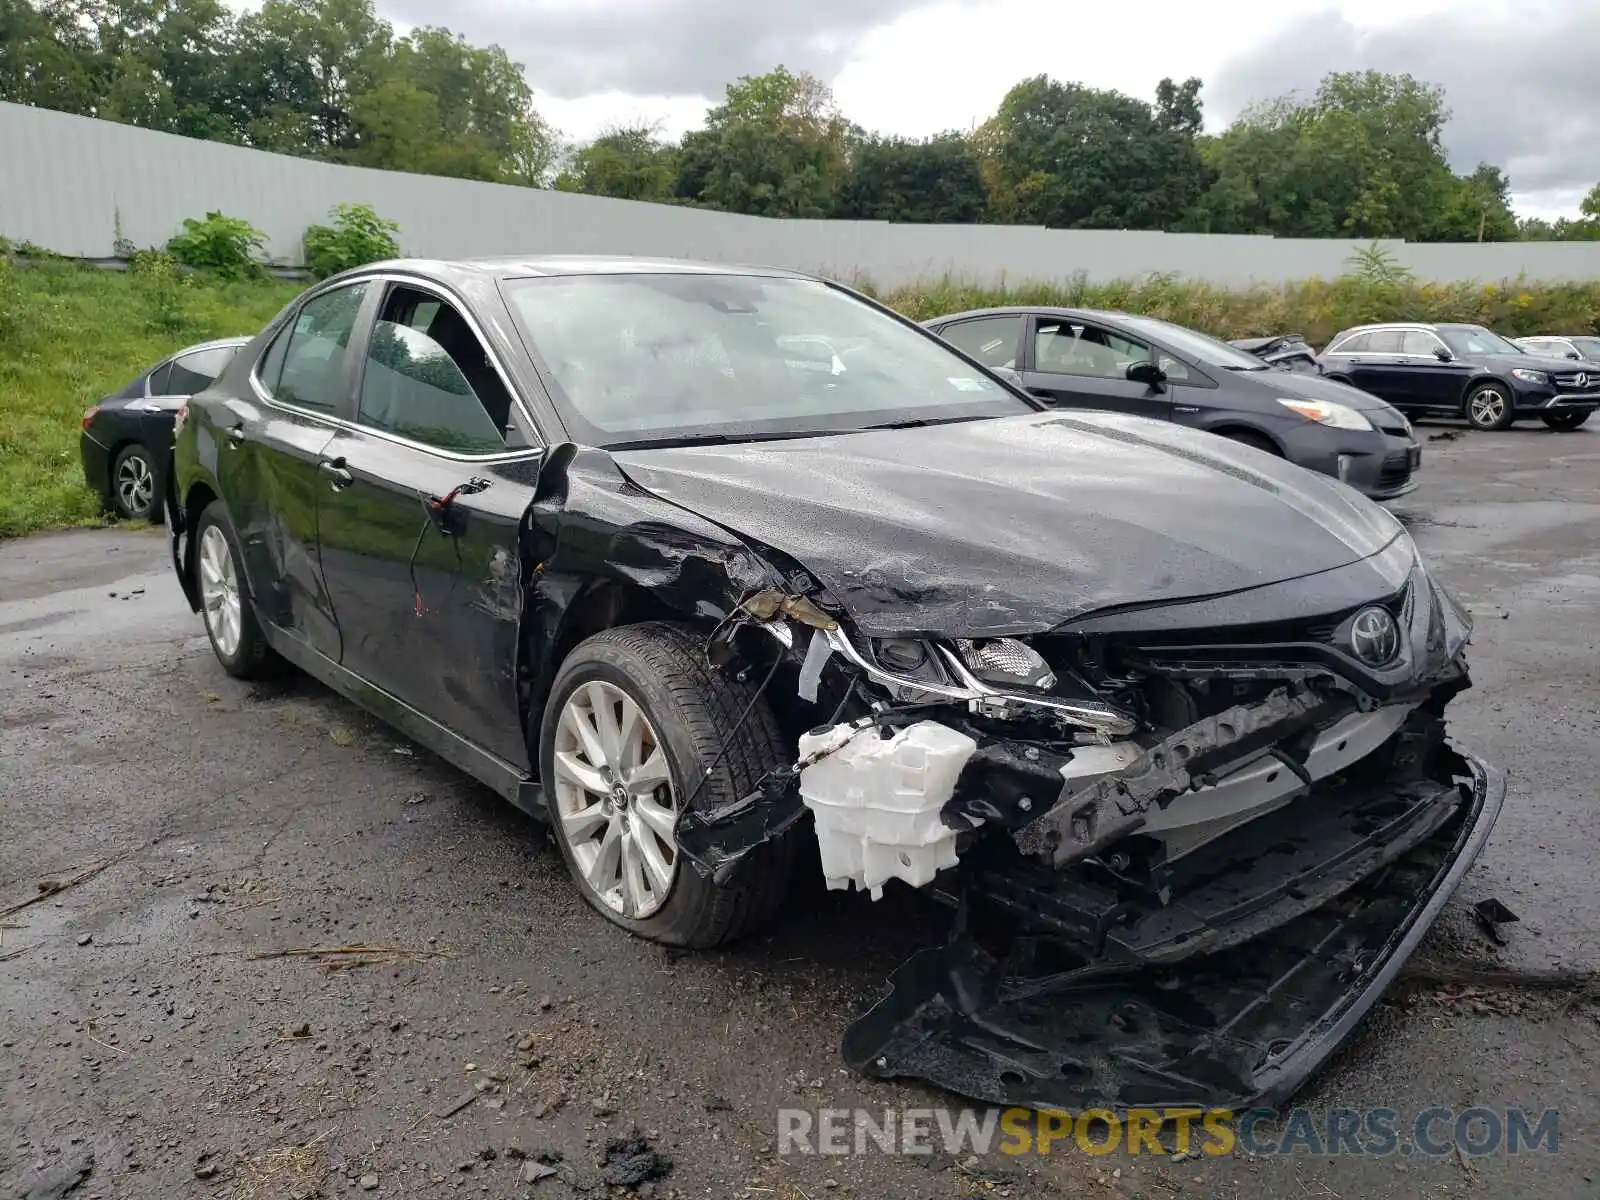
column 635, row 719
column 133, row 484
column 1564, row 420
column 1490, row 407
column 225, row 601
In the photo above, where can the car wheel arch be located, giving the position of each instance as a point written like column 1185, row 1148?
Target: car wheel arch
column 1478, row 380
column 1251, row 433
column 195, row 502
column 600, row 604
column 112, row 451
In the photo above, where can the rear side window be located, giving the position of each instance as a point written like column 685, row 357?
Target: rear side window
column 1386, row 341
column 158, row 380
column 305, row 365
column 1361, row 343
column 193, row 372
column 993, row 341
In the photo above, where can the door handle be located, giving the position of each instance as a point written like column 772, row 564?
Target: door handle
column 338, row 477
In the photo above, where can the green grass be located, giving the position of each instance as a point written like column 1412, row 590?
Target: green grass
column 70, row 334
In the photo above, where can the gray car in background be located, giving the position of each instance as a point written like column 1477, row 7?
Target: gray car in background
column 1581, row 346
column 1083, row 358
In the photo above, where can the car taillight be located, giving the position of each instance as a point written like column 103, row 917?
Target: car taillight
column 89, row 414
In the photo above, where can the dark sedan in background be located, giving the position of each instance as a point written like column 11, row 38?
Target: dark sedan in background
column 1086, row 358
column 127, row 437
column 1463, row 371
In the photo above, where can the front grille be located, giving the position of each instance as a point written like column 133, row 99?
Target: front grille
column 1396, row 469
column 1569, row 381
column 1317, row 629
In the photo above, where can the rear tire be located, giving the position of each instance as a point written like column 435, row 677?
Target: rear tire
column 1564, row 420
column 1490, row 407
column 225, row 600
column 642, row 701
column 133, row 484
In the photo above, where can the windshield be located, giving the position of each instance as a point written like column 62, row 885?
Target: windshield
column 1201, row 347
column 1475, row 339
column 644, row 359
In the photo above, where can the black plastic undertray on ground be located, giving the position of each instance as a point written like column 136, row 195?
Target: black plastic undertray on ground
column 1241, row 1027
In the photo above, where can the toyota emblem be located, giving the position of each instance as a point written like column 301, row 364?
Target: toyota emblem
column 1375, row 637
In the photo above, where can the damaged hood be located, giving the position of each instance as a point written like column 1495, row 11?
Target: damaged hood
column 1012, row 526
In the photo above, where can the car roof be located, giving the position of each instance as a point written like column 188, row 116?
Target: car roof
column 1430, row 326
column 459, row 270
column 1037, row 310
column 209, row 344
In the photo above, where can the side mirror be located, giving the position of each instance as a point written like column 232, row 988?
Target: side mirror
column 1442, row 354
column 1147, row 373
column 1574, row 354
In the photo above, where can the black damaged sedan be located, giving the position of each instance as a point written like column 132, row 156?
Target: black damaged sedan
column 712, row 566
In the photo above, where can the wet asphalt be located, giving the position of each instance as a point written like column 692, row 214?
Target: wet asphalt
column 164, row 1030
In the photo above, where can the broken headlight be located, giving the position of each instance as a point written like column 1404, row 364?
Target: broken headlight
column 1006, row 662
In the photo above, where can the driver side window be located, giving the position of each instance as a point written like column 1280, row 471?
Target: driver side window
column 428, row 379
column 1076, row 348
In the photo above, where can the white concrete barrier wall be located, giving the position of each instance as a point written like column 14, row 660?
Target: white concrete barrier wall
column 71, row 183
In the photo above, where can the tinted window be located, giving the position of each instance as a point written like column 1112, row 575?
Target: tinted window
column 1386, row 341
column 1360, row 343
column 1474, row 339
column 992, row 341
column 412, row 387
column 679, row 356
column 158, row 380
column 441, row 331
column 305, row 365
column 1074, row 348
column 1210, row 351
column 192, row 372
column 1417, row 341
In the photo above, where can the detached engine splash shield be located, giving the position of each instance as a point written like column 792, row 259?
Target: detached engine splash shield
column 1228, row 1030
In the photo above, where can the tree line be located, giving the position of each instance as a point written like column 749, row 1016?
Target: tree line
column 1361, row 157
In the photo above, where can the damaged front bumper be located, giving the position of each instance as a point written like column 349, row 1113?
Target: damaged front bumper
column 1191, row 913
column 1010, row 1012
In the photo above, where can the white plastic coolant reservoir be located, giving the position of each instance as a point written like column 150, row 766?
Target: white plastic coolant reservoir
column 877, row 802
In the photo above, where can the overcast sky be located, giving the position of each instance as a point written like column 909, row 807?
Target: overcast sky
column 1522, row 79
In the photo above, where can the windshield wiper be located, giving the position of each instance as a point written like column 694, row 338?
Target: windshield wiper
column 920, row 422
column 719, row 439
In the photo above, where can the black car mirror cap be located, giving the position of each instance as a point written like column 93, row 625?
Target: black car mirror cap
column 1146, row 372
column 1442, row 354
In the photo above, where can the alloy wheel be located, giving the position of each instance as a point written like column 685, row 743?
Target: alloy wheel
column 615, row 799
column 136, row 485
column 1487, row 406
column 219, row 591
